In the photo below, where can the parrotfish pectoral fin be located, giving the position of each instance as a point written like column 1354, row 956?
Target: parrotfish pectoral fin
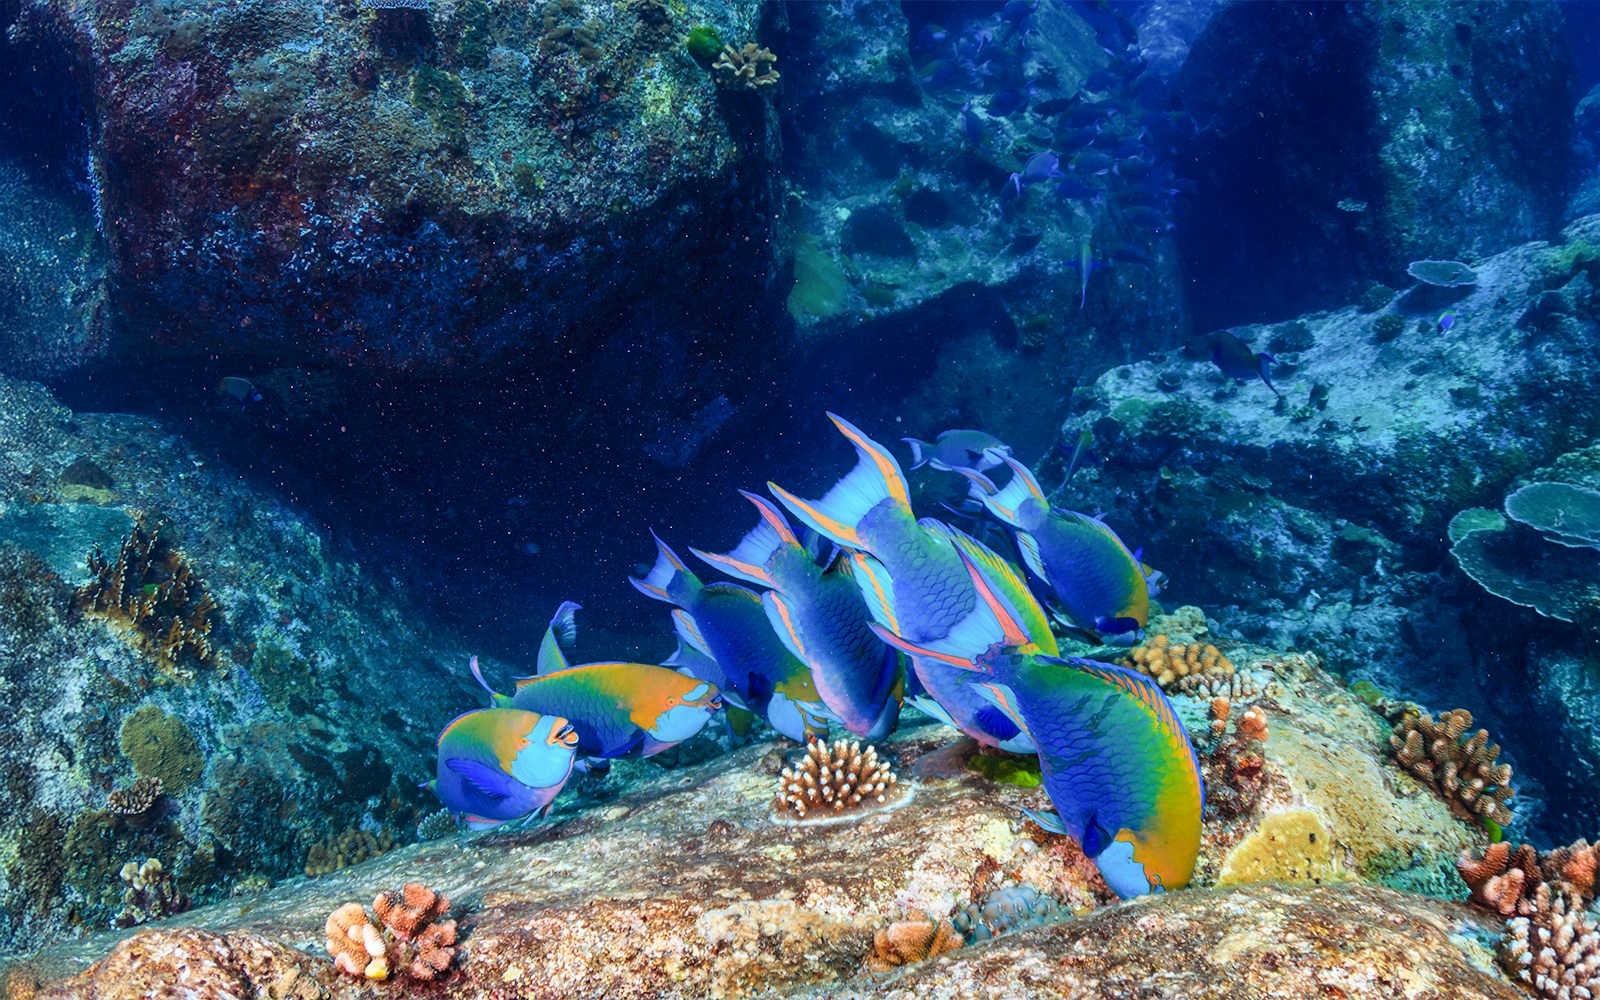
column 1010, row 622
column 875, row 479
column 781, row 615
column 915, row 650
column 1048, row 821
column 562, row 631
column 688, row 631
column 490, row 782
column 1005, row 701
column 669, row 579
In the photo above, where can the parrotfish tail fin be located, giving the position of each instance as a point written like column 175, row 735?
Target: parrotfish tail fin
column 1003, row 502
column 1266, row 362
column 669, row 579
column 875, row 479
column 561, row 633
column 919, row 456
column 983, row 566
column 748, row 560
column 496, row 699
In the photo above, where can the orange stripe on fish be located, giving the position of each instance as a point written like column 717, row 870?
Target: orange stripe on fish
column 882, row 601
column 916, row 650
column 736, row 567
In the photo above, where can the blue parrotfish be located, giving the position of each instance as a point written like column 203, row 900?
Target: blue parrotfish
column 728, row 623
column 1039, row 168
column 1234, row 359
column 1101, row 587
column 497, row 765
column 821, row 617
column 911, row 577
column 957, row 450
column 617, row 709
column 1114, row 758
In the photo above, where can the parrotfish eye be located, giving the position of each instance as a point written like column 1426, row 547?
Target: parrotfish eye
column 672, row 702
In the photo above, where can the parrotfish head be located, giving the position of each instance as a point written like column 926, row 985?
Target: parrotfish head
column 686, row 714
column 546, row 759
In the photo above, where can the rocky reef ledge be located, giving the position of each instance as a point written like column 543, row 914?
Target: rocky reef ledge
column 1326, row 871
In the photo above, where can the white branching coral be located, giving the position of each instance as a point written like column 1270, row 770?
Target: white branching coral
column 748, row 67
column 836, row 782
column 1555, row 948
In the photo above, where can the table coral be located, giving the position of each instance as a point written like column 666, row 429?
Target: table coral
column 1462, row 771
column 840, row 781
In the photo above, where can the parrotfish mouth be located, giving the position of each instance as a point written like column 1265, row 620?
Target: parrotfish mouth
column 565, row 736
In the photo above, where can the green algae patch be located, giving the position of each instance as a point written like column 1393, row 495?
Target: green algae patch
column 821, row 289
column 1009, row 770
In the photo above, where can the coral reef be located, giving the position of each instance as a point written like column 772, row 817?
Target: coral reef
column 161, row 746
column 151, row 590
column 1538, row 555
column 1506, row 878
column 838, row 782
column 413, row 942
column 916, row 937
column 349, row 847
column 137, row 799
column 746, row 68
column 1007, row 910
column 1555, row 948
column 1235, row 767
column 1462, row 770
column 1169, row 663
column 151, row 894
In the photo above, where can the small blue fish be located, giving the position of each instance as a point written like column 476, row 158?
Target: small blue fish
column 1007, row 102
column 497, row 765
column 956, row 449
column 822, row 618
column 1447, row 319
column 1234, row 359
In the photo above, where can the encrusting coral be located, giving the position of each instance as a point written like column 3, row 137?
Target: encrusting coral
column 344, row 849
column 1462, row 771
column 151, row 590
column 151, row 894
column 1168, row 663
column 915, row 938
column 414, row 941
column 1235, row 769
column 835, row 782
column 749, row 67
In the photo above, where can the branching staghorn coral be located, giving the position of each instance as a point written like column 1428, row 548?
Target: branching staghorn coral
column 746, row 68
column 413, row 941
column 137, row 799
column 1170, row 664
column 1461, row 769
column 836, row 782
column 1506, row 879
column 1554, row 946
column 150, row 589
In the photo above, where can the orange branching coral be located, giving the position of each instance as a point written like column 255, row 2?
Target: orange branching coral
column 414, row 941
column 1506, row 879
column 1554, row 947
column 1461, row 769
column 840, row 780
column 1235, row 770
column 1168, row 664
column 151, row 590
column 915, row 938
column 748, row 68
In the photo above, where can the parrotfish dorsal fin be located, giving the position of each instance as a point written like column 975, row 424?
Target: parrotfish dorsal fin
column 669, row 579
column 748, row 560
column 562, row 631
column 875, row 479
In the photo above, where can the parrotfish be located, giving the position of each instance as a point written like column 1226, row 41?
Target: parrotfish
column 727, row 623
column 911, row 577
column 1234, row 359
column 1101, row 586
column 617, row 709
column 957, row 450
column 1039, row 168
column 502, row 764
column 1114, row 758
column 822, row 618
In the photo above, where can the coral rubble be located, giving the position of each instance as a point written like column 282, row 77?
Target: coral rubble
column 840, row 781
column 1462, row 771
